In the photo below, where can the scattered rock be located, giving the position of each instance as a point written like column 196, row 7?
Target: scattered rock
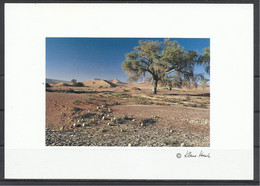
column 85, row 125
column 62, row 128
column 76, row 125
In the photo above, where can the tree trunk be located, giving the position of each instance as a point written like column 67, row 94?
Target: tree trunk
column 155, row 82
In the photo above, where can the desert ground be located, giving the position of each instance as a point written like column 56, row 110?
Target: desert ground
column 112, row 113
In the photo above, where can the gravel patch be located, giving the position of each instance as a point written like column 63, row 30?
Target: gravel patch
column 128, row 135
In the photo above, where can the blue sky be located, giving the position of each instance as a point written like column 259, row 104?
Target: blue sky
column 89, row 58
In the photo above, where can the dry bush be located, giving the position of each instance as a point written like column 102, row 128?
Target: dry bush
column 75, row 109
column 77, row 102
column 148, row 121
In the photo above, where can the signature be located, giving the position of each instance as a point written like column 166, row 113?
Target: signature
column 190, row 154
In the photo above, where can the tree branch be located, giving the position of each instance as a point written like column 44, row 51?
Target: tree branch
column 170, row 71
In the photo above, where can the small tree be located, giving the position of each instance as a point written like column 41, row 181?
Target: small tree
column 178, row 81
column 77, row 84
column 171, row 81
column 204, row 82
column 74, row 81
column 159, row 59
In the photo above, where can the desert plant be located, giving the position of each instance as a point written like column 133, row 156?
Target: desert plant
column 74, row 81
column 76, row 109
column 147, row 121
column 159, row 59
column 171, row 81
column 77, row 84
column 120, row 120
column 77, row 102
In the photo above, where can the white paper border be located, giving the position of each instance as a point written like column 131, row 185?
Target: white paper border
column 230, row 29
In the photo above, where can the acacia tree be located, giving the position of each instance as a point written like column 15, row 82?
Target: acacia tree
column 159, row 59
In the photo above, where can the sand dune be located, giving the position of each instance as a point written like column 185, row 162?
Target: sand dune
column 62, row 84
column 116, row 81
column 98, row 83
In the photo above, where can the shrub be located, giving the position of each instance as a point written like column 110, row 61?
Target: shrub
column 126, row 117
column 77, row 102
column 120, row 120
column 148, row 121
column 76, row 109
column 77, row 84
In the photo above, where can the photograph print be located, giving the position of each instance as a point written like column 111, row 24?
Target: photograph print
column 128, row 92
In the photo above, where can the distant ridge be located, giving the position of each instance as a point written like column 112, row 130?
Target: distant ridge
column 56, row 81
